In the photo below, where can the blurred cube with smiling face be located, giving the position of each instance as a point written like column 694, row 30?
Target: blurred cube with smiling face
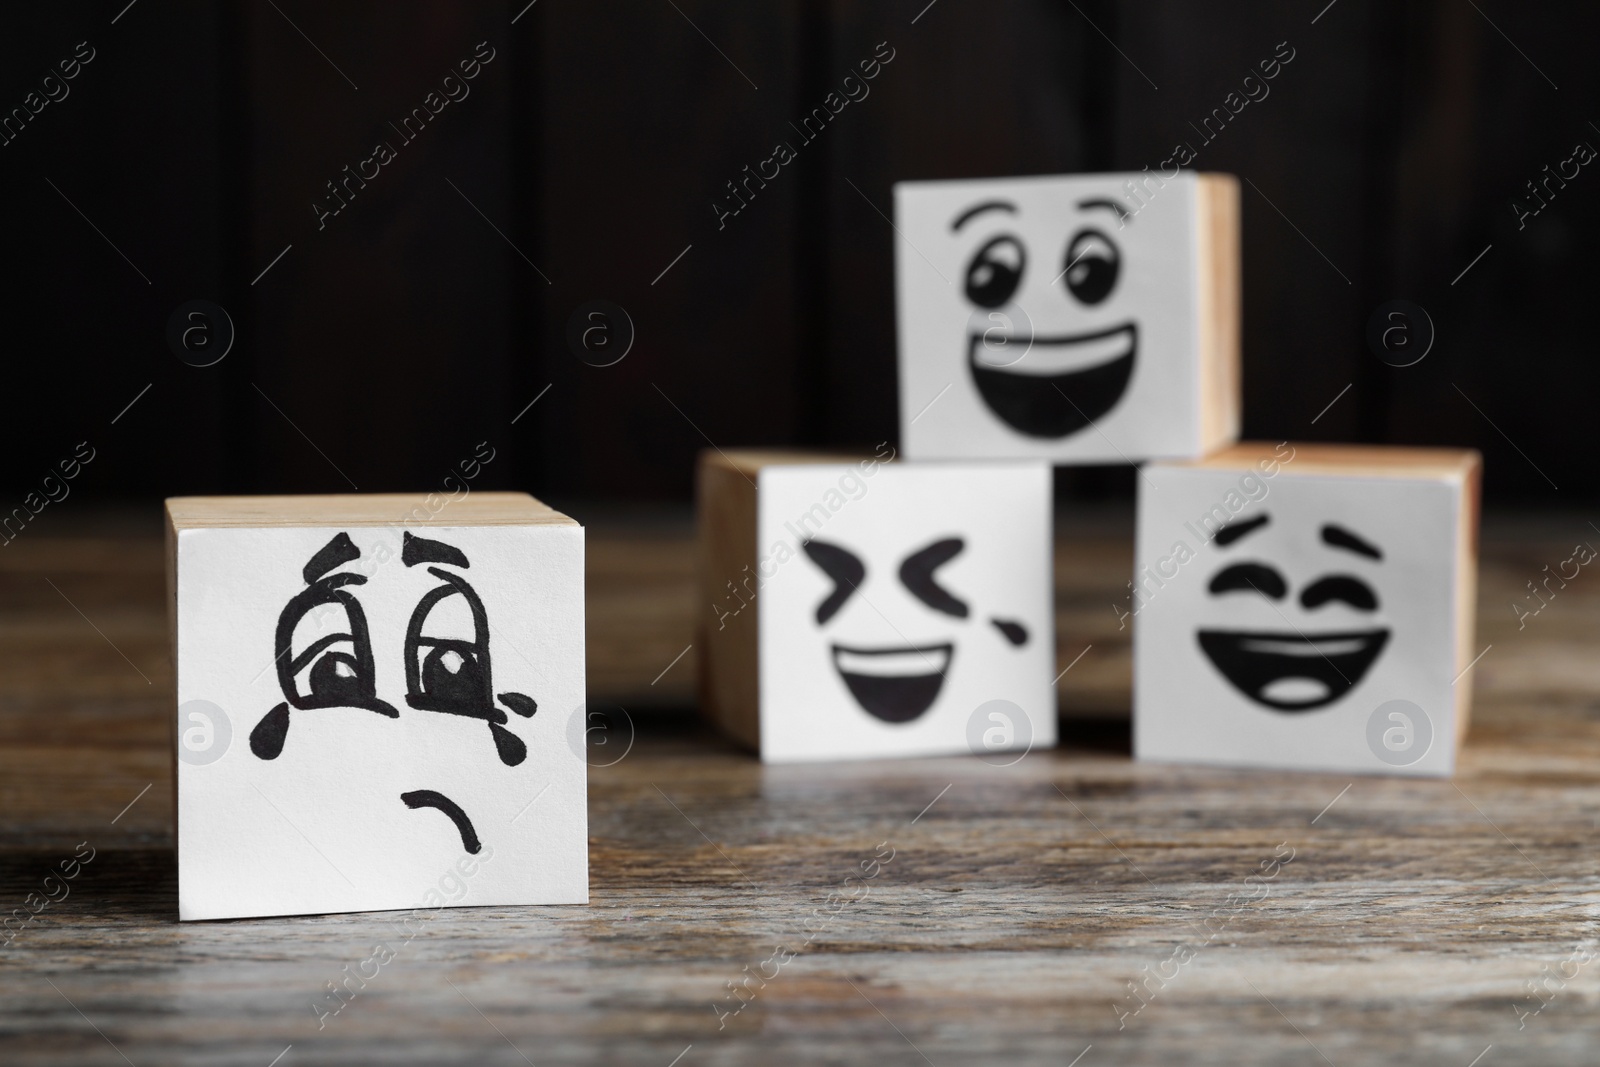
column 1077, row 319
column 864, row 609
column 1306, row 606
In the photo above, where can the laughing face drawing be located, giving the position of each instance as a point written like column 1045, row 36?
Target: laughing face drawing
column 898, row 683
column 443, row 659
column 1046, row 382
column 1301, row 667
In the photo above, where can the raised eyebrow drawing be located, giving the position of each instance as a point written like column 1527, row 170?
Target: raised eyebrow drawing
column 843, row 566
column 978, row 209
column 338, row 679
column 1231, row 532
column 451, row 675
column 334, row 554
column 916, row 574
column 415, row 550
column 1339, row 537
column 1123, row 214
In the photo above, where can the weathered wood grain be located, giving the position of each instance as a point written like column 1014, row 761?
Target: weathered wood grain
column 1017, row 904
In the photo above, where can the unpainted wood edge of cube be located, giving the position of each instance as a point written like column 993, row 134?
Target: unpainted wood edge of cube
column 750, row 461
column 481, row 508
column 726, row 500
column 1467, row 547
column 1221, row 309
column 1312, row 459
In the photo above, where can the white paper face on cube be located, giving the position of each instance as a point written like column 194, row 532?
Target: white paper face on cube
column 359, row 714
column 906, row 612
column 1052, row 318
column 1325, row 608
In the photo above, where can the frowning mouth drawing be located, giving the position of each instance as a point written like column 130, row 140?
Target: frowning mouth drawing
column 1060, row 384
column 894, row 684
column 1290, row 671
column 430, row 798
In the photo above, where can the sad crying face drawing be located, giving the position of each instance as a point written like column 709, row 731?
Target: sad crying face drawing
column 328, row 662
column 1307, row 660
column 898, row 682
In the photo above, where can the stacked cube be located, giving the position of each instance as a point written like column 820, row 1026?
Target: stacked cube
column 1293, row 605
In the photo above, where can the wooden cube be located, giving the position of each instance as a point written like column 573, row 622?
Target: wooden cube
column 1306, row 606
column 376, row 703
column 1091, row 318
column 861, row 608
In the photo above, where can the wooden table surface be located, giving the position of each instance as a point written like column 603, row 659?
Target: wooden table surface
column 1426, row 922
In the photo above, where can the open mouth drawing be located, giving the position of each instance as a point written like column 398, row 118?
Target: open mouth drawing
column 1290, row 672
column 894, row 684
column 1061, row 383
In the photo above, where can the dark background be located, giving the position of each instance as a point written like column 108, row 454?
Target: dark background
column 380, row 350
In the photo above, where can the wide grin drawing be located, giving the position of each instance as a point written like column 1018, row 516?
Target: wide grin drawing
column 897, row 683
column 1046, row 385
column 894, row 684
column 1290, row 670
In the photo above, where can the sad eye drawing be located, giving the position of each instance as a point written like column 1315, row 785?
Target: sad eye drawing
column 1063, row 381
column 444, row 658
column 897, row 683
column 333, row 671
column 447, row 650
column 1294, row 670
